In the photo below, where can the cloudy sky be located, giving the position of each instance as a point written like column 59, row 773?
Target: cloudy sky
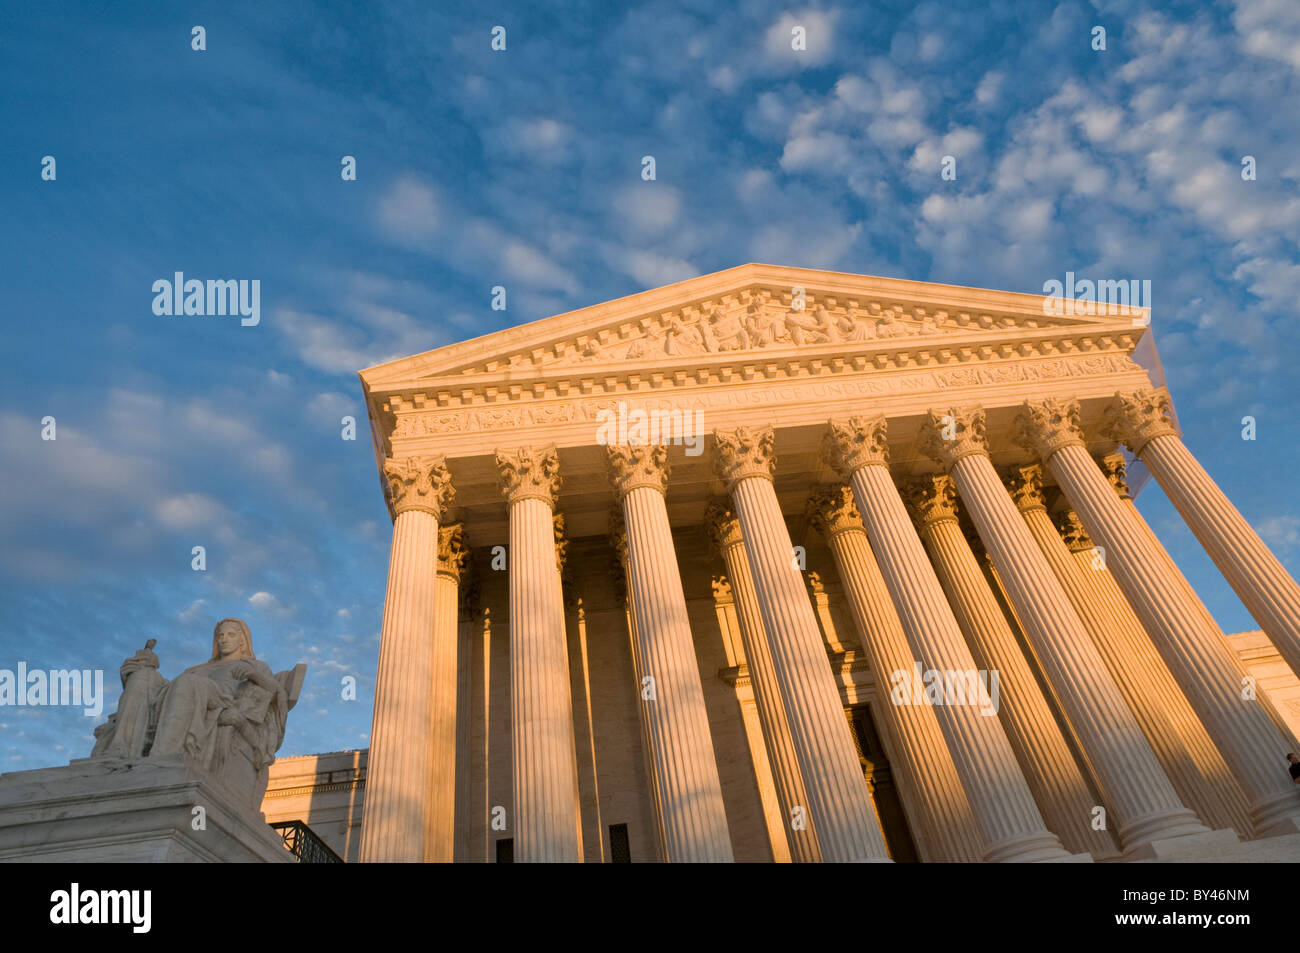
column 522, row 168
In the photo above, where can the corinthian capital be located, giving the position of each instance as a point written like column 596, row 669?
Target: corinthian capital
column 1071, row 530
column 618, row 535
column 831, row 510
column 1025, row 484
column 637, row 466
column 561, row 544
column 1113, row 466
column 745, row 452
column 1139, row 416
column 930, row 498
column 530, row 473
column 949, row 435
column 855, row 443
column 724, row 528
column 1048, row 425
column 618, row 543
column 453, row 553
column 419, row 483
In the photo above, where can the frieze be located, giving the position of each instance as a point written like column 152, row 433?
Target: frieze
column 416, row 423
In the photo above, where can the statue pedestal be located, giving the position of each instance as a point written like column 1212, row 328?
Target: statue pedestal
column 137, row 810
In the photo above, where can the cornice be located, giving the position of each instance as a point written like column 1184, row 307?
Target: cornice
column 980, row 308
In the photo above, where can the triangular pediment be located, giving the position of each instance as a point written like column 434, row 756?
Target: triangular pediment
column 757, row 312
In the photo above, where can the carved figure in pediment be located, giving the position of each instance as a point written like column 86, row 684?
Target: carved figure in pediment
column 852, row 327
column 725, row 332
column 682, row 336
column 763, row 327
column 816, row 328
column 888, row 326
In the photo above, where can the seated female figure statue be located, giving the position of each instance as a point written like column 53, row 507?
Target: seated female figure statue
column 227, row 714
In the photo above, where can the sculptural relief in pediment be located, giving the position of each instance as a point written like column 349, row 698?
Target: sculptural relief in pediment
column 754, row 321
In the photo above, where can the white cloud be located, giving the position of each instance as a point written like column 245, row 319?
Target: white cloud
column 1281, row 533
column 989, row 88
column 332, row 406
column 1270, row 28
column 822, row 152
column 649, row 269
column 649, row 207
column 818, row 28
column 189, row 511
column 195, row 611
column 409, row 210
column 265, row 602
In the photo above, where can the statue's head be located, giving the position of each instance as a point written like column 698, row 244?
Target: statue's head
column 231, row 640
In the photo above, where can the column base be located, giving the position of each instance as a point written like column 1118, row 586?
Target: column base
column 1084, row 858
column 1169, row 826
column 1043, row 848
column 1220, row 848
column 1187, row 848
column 1280, row 828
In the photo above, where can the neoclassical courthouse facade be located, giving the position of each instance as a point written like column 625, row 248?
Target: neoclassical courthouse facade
column 793, row 565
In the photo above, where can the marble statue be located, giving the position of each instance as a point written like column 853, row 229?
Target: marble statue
column 227, row 715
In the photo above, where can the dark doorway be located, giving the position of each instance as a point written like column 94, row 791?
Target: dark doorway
column 880, row 781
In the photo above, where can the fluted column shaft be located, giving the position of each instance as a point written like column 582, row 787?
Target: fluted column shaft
column 1059, row 787
column 1181, row 743
column 690, row 792
column 1133, row 680
column 1142, row 420
column 618, row 542
column 944, row 813
column 840, row 804
column 1192, row 645
column 397, row 776
column 999, row 797
column 790, row 792
column 1132, row 783
column 440, row 822
column 543, row 752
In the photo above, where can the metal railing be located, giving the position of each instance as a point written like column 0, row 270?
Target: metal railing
column 303, row 843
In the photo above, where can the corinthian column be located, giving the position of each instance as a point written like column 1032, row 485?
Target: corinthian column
column 1143, row 419
column 724, row 530
column 1185, row 750
column 397, row 795
column 1134, row 680
column 543, row 750
column 1053, row 775
column 1132, row 783
column 686, row 771
column 618, row 543
column 1194, row 647
column 944, row 813
column 999, row 797
column 839, row 803
column 439, row 828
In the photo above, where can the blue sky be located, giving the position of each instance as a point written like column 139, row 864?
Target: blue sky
column 522, row 168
